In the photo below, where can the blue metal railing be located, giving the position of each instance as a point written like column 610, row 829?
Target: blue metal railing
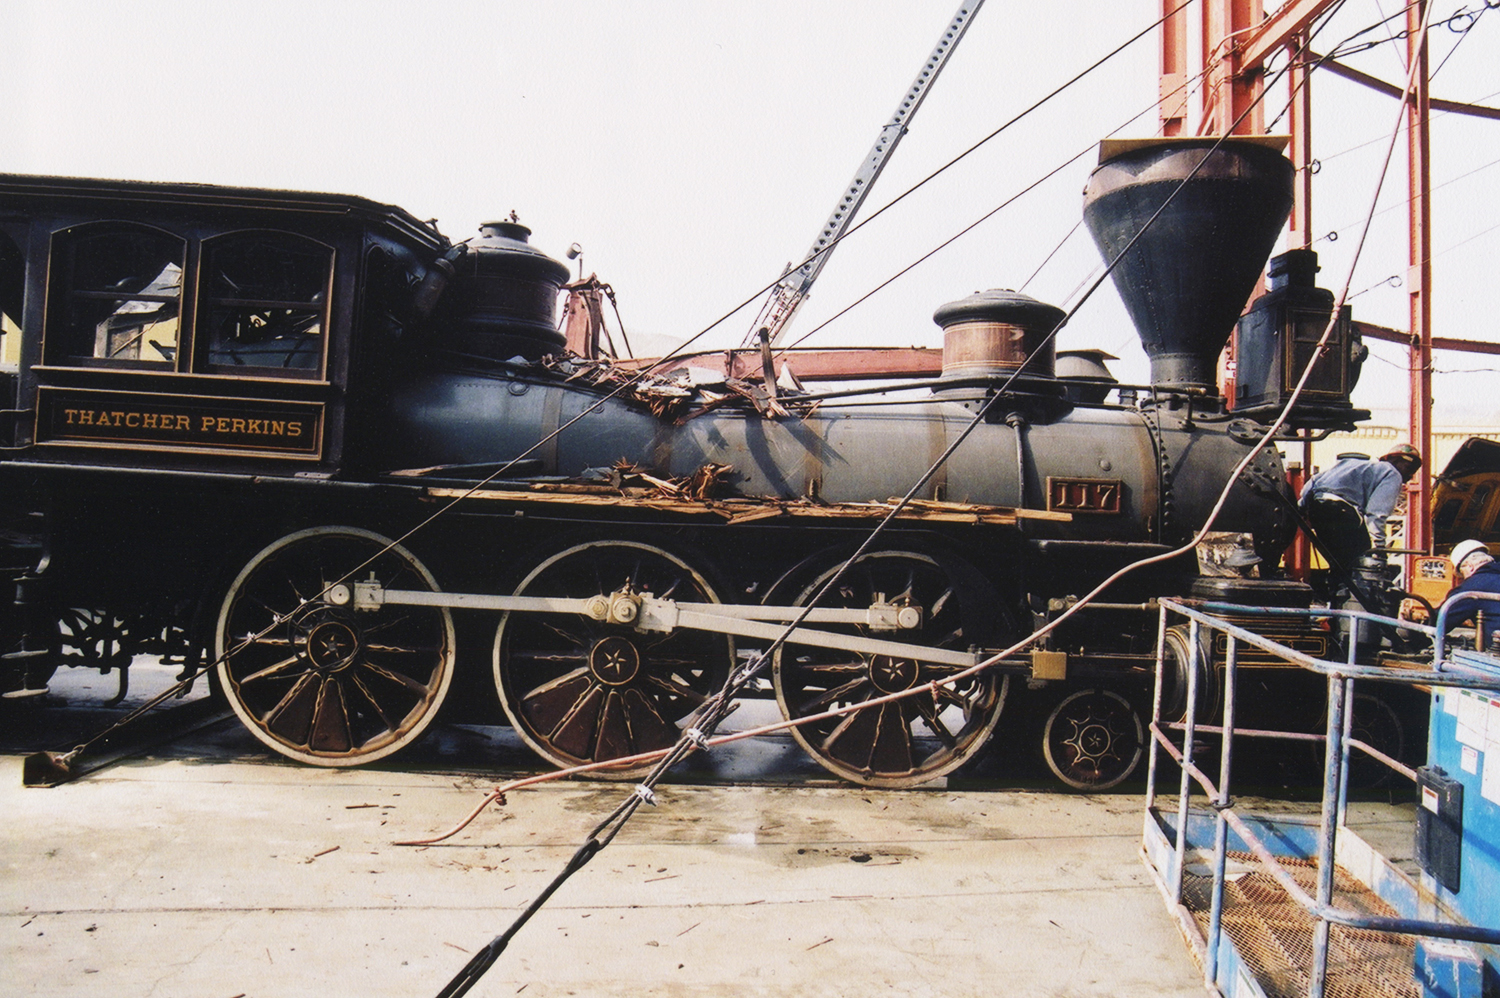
column 1466, row 671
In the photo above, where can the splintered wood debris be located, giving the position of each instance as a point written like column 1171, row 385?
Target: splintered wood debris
column 707, row 492
column 675, row 396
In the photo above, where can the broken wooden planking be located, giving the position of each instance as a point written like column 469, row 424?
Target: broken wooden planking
column 737, row 511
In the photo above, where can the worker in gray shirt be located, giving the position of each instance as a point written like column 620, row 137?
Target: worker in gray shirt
column 1349, row 503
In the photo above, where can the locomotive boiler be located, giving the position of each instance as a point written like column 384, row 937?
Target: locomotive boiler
column 307, row 440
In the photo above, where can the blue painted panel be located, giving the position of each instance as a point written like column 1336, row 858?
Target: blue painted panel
column 1283, row 836
column 1478, row 898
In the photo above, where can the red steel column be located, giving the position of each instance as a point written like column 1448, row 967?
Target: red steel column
column 1300, row 81
column 1228, row 94
column 1172, row 99
column 1419, row 282
column 1299, row 555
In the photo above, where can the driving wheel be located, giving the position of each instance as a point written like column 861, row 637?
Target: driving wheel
column 580, row 690
column 904, row 742
column 316, row 679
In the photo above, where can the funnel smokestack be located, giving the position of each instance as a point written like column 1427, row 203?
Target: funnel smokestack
column 1187, row 278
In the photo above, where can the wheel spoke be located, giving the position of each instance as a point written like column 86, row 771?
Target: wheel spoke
column 570, row 637
column 403, row 649
column 563, row 657
column 853, row 740
column 969, row 705
column 549, row 705
column 613, row 738
column 575, row 733
column 934, row 721
column 676, row 689
column 386, row 625
column 271, row 670
column 830, row 697
column 411, row 684
column 330, row 728
column 249, row 639
column 649, row 730
column 364, row 690
column 292, row 715
column 833, row 668
column 892, row 751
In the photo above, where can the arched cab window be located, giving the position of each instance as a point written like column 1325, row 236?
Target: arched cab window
column 263, row 304
column 117, row 289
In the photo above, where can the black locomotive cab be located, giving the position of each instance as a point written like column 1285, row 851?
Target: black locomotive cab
column 183, row 326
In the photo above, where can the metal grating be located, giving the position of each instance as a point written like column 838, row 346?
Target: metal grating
column 1273, row 933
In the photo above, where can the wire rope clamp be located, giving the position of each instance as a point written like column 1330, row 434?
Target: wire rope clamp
column 697, row 739
column 646, row 794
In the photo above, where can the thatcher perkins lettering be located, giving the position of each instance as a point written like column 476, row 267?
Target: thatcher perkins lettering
column 179, row 421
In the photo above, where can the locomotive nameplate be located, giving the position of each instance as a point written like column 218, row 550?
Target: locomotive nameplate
column 198, row 423
column 1084, row 495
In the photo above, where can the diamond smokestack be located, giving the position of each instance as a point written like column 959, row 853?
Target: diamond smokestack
column 1186, row 280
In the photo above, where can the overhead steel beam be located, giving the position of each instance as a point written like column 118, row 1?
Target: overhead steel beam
column 1254, row 47
column 1391, row 90
column 1371, row 331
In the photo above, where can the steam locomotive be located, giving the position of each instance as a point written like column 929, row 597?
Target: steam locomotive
column 309, row 440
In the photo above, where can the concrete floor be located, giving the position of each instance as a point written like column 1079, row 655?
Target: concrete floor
column 221, row 878
column 212, row 869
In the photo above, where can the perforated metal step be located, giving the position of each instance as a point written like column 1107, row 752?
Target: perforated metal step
column 1274, row 935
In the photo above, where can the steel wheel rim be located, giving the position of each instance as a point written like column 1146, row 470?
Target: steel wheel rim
column 904, row 743
column 580, row 691
column 328, row 685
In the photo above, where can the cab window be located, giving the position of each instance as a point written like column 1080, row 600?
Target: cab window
column 118, row 288
column 263, row 304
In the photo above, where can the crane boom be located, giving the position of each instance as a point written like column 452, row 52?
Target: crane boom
column 791, row 291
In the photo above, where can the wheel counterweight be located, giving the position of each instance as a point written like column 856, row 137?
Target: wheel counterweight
column 321, row 682
column 580, row 690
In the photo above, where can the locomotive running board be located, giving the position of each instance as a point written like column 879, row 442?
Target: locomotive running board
column 648, row 613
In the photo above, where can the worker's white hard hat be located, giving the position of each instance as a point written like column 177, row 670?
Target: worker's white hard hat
column 1463, row 549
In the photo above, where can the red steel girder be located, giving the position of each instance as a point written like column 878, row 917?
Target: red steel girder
column 1255, row 46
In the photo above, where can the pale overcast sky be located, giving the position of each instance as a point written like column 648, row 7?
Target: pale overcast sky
column 693, row 149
